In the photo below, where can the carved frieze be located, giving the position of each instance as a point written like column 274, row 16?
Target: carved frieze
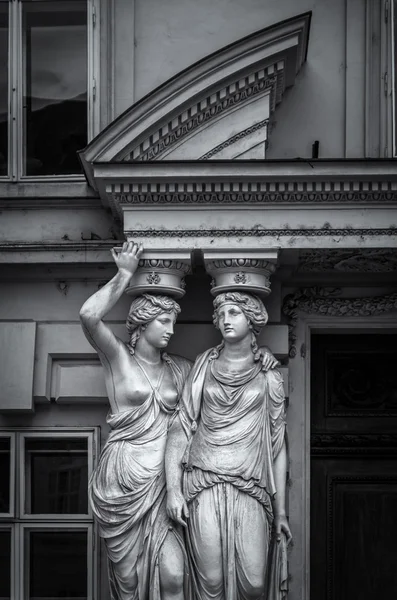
column 366, row 260
column 327, row 302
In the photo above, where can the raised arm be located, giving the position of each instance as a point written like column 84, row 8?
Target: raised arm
column 176, row 446
column 100, row 335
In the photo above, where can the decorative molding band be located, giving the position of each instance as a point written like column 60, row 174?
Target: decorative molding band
column 366, row 260
column 183, row 233
column 325, row 301
column 254, row 193
column 246, row 182
column 234, row 139
column 269, row 79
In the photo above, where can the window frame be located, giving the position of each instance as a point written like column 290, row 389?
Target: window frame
column 393, row 78
column 22, row 558
column 16, row 87
column 18, row 523
column 12, row 512
column 23, row 473
column 13, row 570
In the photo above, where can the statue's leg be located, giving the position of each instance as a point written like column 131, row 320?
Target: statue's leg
column 206, row 546
column 123, row 553
column 252, row 545
column 171, row 563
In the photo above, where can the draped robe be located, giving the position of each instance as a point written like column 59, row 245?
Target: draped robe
column 127, row 492
column 235, row 425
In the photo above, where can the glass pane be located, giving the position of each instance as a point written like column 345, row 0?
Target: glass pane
column 394, row 50
column 3, row 88
column 56, row 476
column 55, row 100
column 58, row 564
column 5, row 458
column 5, row 565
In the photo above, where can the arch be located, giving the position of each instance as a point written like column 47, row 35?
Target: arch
column 219, row 107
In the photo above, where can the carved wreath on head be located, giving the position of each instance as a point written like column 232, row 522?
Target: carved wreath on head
column 153, row 278
column 240, row 277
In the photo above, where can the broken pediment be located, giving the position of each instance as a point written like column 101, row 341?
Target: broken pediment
column 219, row 108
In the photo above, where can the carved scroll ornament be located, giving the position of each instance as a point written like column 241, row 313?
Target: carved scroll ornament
column 326, row 302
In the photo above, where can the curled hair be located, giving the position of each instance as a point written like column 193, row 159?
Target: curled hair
column 143, row 310
column 250, row 305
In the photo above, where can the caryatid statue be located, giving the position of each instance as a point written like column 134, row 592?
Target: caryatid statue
column 146, row 550
column 226, row 457
column 147, row 557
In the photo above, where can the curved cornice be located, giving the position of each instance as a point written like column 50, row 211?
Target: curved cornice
column 264, row 63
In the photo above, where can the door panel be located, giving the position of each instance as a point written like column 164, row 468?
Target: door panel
column 353, row 468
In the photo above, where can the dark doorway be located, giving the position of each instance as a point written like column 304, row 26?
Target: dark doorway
column 353, row 467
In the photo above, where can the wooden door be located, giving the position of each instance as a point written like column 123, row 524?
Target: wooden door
column 353, row 467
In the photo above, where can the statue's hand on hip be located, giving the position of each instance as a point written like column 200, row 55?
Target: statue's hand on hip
column 269, row 361
column 281, row 526
column 128, row 258
column 177, row 508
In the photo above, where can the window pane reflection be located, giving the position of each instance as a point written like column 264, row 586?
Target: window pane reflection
column 57, row 564
column 55, row 100
column 5, row 458
column 57, row 476
column 394, row 50
column 3, row 88
column 5, row 565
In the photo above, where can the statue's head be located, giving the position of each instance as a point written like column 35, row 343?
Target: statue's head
column 239, row 314
column 152, row 317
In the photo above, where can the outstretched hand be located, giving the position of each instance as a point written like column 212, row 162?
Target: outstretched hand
column 128, row 258
column 269, row 361
column 177, row 508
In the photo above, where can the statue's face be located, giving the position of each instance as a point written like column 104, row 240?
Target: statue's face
column 159, row 331
column 233, row 323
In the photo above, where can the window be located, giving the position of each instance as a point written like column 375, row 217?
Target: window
column 47, row 86
column 47, row 533
column 7, row 479
column 394, row 71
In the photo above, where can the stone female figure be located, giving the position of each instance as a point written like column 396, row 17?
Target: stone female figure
column 127, row 490
column 226, row 460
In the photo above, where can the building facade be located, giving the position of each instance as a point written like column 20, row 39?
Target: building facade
column 210, row 131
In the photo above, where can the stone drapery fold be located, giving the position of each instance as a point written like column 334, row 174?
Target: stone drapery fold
column 127, row 493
